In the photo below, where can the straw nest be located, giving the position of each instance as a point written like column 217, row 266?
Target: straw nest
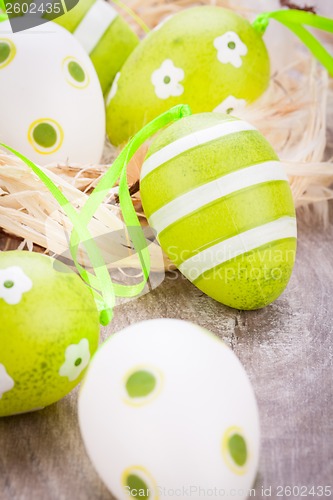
column 292, row 115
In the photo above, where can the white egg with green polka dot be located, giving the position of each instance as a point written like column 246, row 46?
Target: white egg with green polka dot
column 52, row 107
column 166, row 410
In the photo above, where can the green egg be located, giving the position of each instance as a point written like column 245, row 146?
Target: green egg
column 215, row 192
column 104, row 34
column 49, row 330
column 207, row 57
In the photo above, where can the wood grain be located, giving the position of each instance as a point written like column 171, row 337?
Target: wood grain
column 285, row 348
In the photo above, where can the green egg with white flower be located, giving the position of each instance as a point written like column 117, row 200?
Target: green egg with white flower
column 104, row 34
column 207, row 57
column 219, row 200
column 49, row 331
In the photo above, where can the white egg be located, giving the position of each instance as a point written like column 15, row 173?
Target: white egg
column 167, row 411
column 52, row 106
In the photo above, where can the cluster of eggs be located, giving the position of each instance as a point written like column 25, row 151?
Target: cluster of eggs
column 104, row 35
column 207, row 57
column 48, row 341
column 215, row 193
column 203, row 215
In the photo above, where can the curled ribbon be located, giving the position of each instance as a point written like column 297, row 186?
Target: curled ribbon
column 103, row 289
column 295, row 21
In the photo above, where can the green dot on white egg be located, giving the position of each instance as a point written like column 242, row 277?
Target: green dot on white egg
column 76, row 71
column 45, row 135
column 4, row 51
column 238, row 449
column 137, row 487
column 140, row 384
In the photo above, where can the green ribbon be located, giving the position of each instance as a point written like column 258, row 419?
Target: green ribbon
column 295, row 21
column 132, row 14
column 102, row 287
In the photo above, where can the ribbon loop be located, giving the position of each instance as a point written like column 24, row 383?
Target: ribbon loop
column 132, row 14
column 295, row 21
column 261, row 23
column 100, row 283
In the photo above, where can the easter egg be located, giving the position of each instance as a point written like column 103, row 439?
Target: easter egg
column 207, row 57
column 105, row 36
column 52, row 108
column 49, row 330
column 214, row 191
column 166, row 407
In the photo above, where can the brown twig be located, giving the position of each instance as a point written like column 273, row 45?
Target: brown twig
column 135, row 188
column 291, row 5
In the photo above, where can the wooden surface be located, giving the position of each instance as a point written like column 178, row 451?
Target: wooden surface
column 287, row 350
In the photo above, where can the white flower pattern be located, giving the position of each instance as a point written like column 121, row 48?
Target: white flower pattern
column 114, row 88
column 230, row 49
column 77, row 357
column 6, row 382
column 13, row 284
column 166, row 80
column 230, row 105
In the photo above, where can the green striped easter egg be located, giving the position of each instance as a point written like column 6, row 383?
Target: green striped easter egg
column 213, row 189
column 104, row 34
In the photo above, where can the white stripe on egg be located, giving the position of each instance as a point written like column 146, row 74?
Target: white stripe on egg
column 203, row 195
column 195, row 266
column 191, row 141
column 94, row 24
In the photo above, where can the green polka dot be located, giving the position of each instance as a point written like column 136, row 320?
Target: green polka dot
column 232, row 45
column 8, row 284
column 45, row 135
column 76, row 72
column 4, row 52
column 167, row 79
column 238, row 450
column 137, row 487
column 140, row 384
column 78, row 362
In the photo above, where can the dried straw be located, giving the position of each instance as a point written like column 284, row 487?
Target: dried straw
column 292, row 115
column 29, row 211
